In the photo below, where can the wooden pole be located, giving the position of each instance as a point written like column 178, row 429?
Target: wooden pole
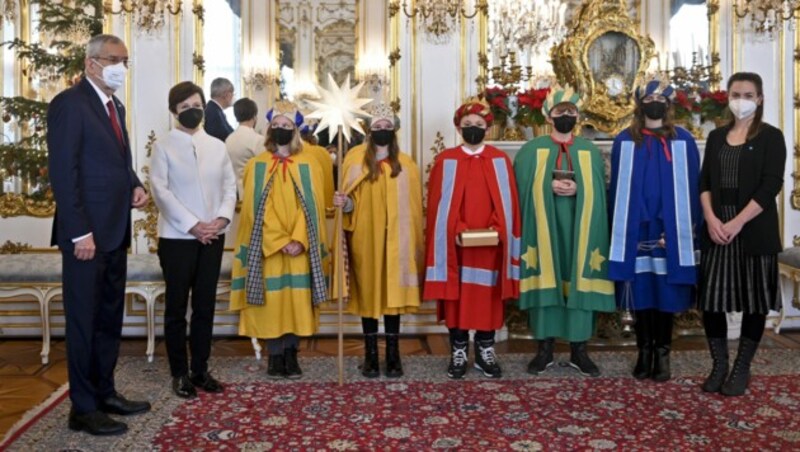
column 339, row 256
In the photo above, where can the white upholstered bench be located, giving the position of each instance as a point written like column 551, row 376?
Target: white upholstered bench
column 39, row 276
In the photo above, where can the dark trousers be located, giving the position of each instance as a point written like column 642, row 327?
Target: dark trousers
column 391, row 324
column 188, row 265
column 94, row 293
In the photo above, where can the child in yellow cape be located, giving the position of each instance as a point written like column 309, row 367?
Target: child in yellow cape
column 382, row 202
column 281, row 255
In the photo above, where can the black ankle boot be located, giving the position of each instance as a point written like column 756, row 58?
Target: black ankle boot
column 292, row 367
column 394, row 368
column 276, row 367
column 544, row 357
column 663, row 344
column 579, row 359
column 718, row 346
column 370, row 367
column 643, row 328
column 737, row 381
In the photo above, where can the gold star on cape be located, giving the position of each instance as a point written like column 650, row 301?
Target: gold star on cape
column 339, row 106
column 597, row 259
column 531, row 257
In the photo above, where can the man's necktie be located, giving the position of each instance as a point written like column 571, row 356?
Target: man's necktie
column 112, row 114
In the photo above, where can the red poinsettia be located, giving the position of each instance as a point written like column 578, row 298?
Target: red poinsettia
column 685, row 105
column 497, row 98
column 529, row 111
column 713, row 104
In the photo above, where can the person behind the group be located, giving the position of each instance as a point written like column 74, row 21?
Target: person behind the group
column 655, row 215
column 94, row 185
column 194, row 187
column 244, row 143
column 382, row 201
column 281, row 255
column 216, row 124
column 563, row 280
column 472, row 194
column 742, row 174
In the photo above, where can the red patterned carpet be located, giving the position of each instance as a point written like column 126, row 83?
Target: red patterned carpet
column 424, row 410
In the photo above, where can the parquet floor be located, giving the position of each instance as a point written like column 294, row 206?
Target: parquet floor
column 24, row 382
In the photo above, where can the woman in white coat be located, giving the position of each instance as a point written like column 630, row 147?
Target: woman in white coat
column 194, row 187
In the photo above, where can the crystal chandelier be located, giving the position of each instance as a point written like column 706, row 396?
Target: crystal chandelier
column 439, row 17
column 526, row 26
column 768, row 16
column 150, row 16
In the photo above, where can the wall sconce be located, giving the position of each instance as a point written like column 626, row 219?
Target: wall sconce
column 373, row 70
column 260, row 71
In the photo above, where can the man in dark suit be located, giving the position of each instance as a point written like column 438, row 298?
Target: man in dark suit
column 94, row 184
column 216, row 123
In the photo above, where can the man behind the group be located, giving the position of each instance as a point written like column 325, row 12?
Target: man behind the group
column 244, row 143
column 216, row 123
column 94, row 185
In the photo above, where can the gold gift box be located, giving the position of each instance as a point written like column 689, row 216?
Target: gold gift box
column 479, row 237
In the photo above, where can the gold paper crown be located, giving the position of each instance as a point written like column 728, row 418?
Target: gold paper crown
column 380, row 111
column 284, row 108
column 559, row 94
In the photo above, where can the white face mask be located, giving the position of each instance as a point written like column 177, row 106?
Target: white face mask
column 742, row 108
column 114, row 75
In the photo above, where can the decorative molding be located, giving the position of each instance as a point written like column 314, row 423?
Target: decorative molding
column 14, row 247
column 394, row 57
column 795, row 195
column 15, row 205
column 149, row 224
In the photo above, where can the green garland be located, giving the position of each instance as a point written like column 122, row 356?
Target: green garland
column 27, row 156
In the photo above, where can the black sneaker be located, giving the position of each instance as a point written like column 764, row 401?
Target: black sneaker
column 458, row 362
column 276, row 367
column 544, row 357
column 579, row 359
column 486, row 359
column 291, row 366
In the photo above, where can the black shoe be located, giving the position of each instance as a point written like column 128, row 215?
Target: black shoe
column 370, row 367
column 458, row 361
column 394, row 368
column 644, row 363
column 276, row 367
column 292, row 367
column 116, row 404
column 183, row 388
column 661, row 364
column 96, row 423
column 579, row 359
column 737, row 381
column 644, row 342
column 719, row 355
column 206, row 382
column 544, row 357
column 486, row 359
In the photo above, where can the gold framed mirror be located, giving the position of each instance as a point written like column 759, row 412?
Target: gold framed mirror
column 603, row 56
column 315, row 37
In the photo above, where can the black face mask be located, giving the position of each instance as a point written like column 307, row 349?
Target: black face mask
column 473, row 135
column 565, row 123
column 382, row 137
column 655, row 110
column 190, row 118
column 282, row 137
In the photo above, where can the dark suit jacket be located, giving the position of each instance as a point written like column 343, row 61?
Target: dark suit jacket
column 761, row 168
column 91, row 174
column 216, row 123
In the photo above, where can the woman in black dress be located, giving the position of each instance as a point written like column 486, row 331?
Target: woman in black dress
column 741, row 176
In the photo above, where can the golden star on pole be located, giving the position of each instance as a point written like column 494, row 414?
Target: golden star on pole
column 339, row 106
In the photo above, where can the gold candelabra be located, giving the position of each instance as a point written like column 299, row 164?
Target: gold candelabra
column 695, row 78
column 508, row 73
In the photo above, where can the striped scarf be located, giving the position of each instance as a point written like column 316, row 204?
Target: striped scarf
column 255, row 265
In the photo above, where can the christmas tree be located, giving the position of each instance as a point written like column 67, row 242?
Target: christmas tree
column 54, row 62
